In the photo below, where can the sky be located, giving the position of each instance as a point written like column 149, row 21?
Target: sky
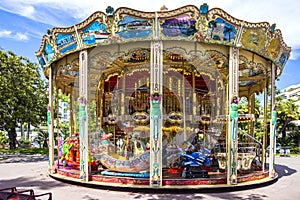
column 24, row 22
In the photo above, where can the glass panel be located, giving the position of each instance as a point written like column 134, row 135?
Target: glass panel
column 120, row 143
column 193, row 101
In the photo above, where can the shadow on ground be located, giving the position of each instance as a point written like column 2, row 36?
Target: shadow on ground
column 283, row 170
column 187, row 196
column 42, row 183
column 18, row 158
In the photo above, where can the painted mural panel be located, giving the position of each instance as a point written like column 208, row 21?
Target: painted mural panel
column 221, row 30
column 95, row 33
column 182, row 26
column 274, row 48
column 65, row 42
column 132, row 27
column 254, row 39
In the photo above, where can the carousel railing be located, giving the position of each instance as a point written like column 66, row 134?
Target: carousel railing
column 248, row 153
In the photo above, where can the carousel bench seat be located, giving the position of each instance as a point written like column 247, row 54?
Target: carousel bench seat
column 244, row 160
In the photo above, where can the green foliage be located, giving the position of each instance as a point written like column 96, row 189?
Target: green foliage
column 92, row 116
column 287, row 111
column 295, row 136
column 291, row 141
column 258, row 125
column 25, row 141
column 23, row 94
column 3, row 138
column 243, row 109
column 42, row 137
column 64, row 128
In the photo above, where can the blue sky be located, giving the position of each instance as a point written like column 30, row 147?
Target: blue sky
column 24, row 22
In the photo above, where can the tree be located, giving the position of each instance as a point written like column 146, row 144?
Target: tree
column 244, row 109
column 287, row 111
column 42, row 137
column 62, row 128
column 294, row 138
column 3, row 139
column 23, row 94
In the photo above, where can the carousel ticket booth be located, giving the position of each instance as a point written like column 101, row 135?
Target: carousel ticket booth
column 154, row 97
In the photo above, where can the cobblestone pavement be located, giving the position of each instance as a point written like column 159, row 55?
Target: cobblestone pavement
column 30, row 171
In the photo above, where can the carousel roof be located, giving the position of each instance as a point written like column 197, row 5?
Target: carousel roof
column 188, row 23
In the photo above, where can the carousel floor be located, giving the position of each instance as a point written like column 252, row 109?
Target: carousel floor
column 216, row 180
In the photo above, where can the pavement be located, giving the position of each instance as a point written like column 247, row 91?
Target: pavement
column 30, row 172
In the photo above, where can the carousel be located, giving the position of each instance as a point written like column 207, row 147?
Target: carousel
column 154, row 98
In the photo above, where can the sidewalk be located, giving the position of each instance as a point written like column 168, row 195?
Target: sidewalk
column 15, row 158
column 26, row 172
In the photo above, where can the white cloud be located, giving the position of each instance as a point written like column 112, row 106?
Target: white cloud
column 295, row 54
column 27, row 11
column 21, row 36
column 12, row 35
column 5, row 34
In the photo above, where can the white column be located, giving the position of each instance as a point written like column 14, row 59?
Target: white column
column 265, row 128
column 156, row 92
column 83, row 114
column 232, row 120
column 50, row 122
column 272, row 172
column 183, row 106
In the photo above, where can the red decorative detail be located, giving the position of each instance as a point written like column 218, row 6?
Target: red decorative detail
column 175, row 170
column 69, row 172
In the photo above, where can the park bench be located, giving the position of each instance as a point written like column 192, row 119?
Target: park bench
column 12, row 193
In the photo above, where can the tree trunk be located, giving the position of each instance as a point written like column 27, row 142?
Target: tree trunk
column 283, row 130
column 28, row 131
column 45, row 144
column 12, row 134
column 22, row 132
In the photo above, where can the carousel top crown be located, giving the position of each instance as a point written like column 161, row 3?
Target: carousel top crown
column 187, row 23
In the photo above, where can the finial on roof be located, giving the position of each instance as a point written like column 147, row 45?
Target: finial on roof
column 110, row 11
column 163, row 8
column 273, row 28
column 203, row 8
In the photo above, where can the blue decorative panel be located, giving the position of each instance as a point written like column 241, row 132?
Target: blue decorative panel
column 41, row 60
column 134, row 28
column 49, row 52
column 65, row 42
column 221, row 30
column 95, row 33
column 283, row 58
column 182, row 26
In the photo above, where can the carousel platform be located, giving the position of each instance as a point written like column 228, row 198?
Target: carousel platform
column 171, row 182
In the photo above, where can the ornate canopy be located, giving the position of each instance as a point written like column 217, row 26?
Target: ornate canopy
column 260, row 44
